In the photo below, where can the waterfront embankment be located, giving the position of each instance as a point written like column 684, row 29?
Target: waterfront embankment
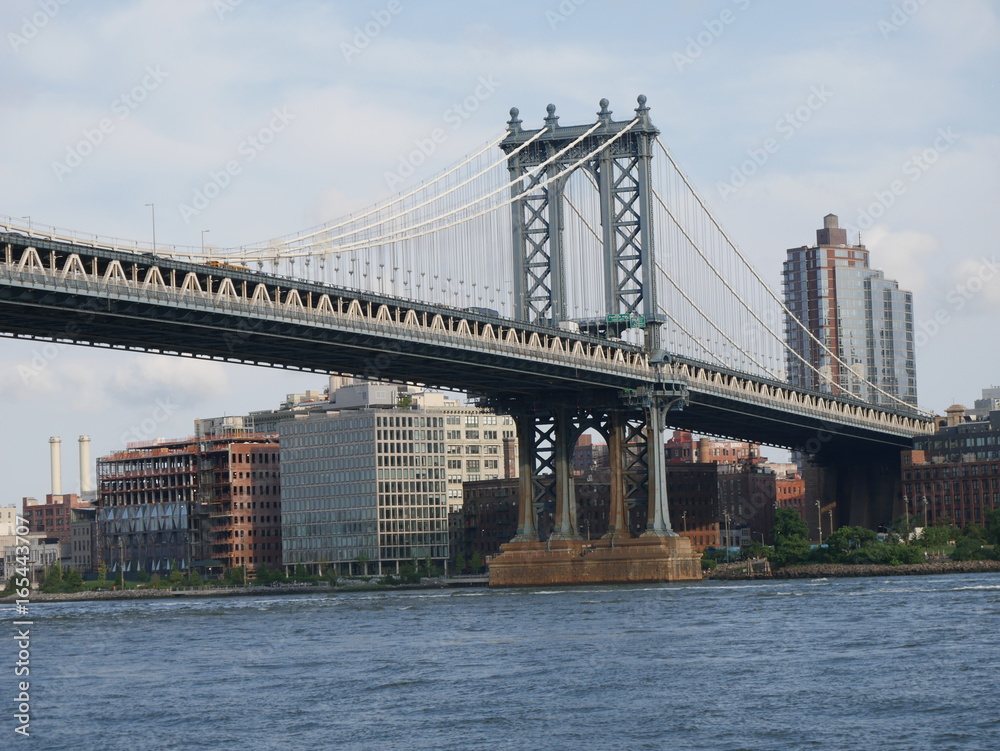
column 735, row 571
column 287, row 589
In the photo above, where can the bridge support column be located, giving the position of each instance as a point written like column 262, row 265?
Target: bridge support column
column 565, row 439
column 526, row 528
column 865, row 487
column 658, row 524
column 617, row 519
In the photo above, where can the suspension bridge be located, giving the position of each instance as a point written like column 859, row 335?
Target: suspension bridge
column 568, row 275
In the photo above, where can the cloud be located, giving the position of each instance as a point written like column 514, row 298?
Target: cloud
column 904, row 256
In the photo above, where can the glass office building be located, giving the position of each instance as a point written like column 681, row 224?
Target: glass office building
column 856, row 313
column 366, row 486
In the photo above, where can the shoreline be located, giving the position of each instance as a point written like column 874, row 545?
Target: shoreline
column 269, row 591
column 841, row 570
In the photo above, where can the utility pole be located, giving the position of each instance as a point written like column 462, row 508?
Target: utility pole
column 121, row 560
column 906, row 510
column 819, row 521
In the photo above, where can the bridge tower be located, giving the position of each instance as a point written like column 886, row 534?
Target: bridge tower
column 616, row 154
column 621, row 174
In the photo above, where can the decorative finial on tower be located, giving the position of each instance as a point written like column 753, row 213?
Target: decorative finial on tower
column 514, row 124
column 605, row 113
column 642, row 110
column 552, row 120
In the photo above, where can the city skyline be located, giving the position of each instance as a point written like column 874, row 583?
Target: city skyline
column 797, row 129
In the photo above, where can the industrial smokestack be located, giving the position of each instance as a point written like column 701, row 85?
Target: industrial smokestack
column 55, row 457
column 85, row 483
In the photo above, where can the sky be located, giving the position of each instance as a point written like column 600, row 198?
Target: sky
column 884, row 113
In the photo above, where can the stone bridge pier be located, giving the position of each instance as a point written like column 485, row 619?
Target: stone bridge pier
column 863, row 483
column 634, row 434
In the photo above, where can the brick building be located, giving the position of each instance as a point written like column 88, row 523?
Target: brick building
column 954, row 474
column 213, row 503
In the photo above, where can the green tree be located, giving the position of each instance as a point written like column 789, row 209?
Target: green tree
column 331, row 576
column 154, row 581
column 845, row 540
column 968, row 549
column 974, row 532
column 194, row 579
column 142, row 574
column 362, row 560
column 53, row 579
column 300, row 573
column 120, row 581
column 460, row 562
column 72, row 581
column 788, row 524
column 937, row 537
column 992, row 520
column 102, row 571
column 791, row 537
column 176, row 578
column 262, row 576
column 236, row 576
column 476, row 563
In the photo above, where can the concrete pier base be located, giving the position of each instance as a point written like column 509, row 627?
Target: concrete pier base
column 605, row 561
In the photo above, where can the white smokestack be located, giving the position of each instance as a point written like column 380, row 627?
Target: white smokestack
column 85, row 482
column 55, row 457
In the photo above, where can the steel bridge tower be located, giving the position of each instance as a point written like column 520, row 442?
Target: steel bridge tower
column 617, row 155
column 621, row 172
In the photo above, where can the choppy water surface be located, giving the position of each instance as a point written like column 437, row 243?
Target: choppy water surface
column 900, row 663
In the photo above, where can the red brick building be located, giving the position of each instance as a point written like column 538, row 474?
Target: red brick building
column 54, row 518
column 213, row 503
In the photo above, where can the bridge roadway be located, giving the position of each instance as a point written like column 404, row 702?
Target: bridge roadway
column 103, row 297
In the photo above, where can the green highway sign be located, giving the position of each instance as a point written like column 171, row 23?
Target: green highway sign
column 618, row 318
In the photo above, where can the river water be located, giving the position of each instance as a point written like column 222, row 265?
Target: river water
column 889, row 663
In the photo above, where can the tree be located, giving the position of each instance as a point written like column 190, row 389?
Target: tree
column 72, row 581
column 968, row 549
column 992, row 521
column 154, row 581
column 975, row 532
column 176, row 578
column 460, row 563
column 841, row 543
column 477, row 562
column 102, row 571
column 938, row 537
column 194, row 579
column 362, row 560
column 788, row 523
column 791, row 537
column 53, row 579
